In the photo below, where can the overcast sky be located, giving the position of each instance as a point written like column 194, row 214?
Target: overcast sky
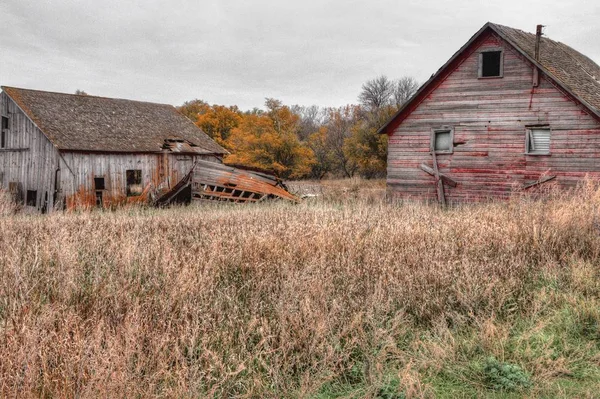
column 239, row 52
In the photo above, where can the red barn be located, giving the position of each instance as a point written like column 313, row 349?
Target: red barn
column 510, row 110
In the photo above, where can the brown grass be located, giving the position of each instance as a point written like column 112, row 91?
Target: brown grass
column 277, row 300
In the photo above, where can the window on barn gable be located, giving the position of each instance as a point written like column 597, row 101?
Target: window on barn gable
column 442, row 141
column 491, row 63
column 134, row 182
column 537, row 141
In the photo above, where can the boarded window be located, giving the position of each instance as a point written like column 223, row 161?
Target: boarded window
column 442, row 141
column 537, row 141
column 31, row 198
column 490, row 64
column 134, row 182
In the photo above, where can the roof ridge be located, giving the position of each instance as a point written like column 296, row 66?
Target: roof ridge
column 85, row 95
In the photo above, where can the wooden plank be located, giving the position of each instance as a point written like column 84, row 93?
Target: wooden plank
column 541, row 181
column 449, row 181
column 438, row 180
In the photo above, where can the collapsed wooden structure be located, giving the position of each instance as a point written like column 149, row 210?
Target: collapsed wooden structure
column 65, row 151
column 209, row 181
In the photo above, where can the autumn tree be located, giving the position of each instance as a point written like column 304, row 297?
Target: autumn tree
column 366, row 148
column 218, row 121
column 339, row 129
column 268, row 141
column 193, row 109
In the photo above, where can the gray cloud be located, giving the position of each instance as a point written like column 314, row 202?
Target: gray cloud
column 239, row 52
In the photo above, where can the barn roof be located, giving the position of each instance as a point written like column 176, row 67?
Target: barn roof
column 577, row 74
column 88, row 123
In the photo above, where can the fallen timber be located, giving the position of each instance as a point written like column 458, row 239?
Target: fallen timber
column 210, row 181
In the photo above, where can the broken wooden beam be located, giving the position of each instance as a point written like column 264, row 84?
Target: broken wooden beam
column 438, row 181
column 448, row 180
column 538, row 182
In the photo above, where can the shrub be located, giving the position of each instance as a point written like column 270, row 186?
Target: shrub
column 504, row 376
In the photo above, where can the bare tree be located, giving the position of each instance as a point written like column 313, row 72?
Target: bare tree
column 80, row 92
column 377, row 92
column 311, row 118
column 405, row 88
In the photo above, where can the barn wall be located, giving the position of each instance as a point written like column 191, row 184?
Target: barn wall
column 489, row 117
column 28, row 159
column 160, row 172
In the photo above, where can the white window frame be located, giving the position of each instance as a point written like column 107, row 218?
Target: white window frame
column 443, row 129
column 529, row 143
column 480, row 65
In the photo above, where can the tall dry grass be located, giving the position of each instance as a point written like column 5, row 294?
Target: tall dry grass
column 276, row 300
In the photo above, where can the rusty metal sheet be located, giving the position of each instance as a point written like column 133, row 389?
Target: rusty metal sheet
column 212, row 181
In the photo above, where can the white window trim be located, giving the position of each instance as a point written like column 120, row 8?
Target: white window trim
column 480, row 64
column 529, row 141
column 442, row 129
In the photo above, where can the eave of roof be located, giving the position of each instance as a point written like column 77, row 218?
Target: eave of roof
column 425, row 88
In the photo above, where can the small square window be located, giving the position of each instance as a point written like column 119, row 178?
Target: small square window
column 134, row 182
column 442, row 141
column 99, row 183
column 491, row 64
column 537, row 141
column 31, row 198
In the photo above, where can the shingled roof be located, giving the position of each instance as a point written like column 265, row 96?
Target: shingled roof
column 567, row 66
column 89, row 123
column 577, row 74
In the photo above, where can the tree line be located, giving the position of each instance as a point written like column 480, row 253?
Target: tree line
column 296, row 142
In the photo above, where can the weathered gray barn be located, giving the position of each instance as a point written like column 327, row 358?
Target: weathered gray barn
column 62, row 151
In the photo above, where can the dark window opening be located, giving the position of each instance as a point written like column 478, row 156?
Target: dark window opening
column 3, row 132
column 491, row 64
column 31, row 198
column 134, row 182
column 442, row 141
column 45, row 203
column 99, row 183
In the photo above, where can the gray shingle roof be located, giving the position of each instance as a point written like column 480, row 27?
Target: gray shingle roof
column 566, row 65
column 573, row 71
column 89, row 123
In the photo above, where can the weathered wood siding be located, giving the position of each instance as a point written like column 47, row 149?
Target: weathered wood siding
column 28, row 159
column 489, row 117
column 160, row 172
column 66, row 179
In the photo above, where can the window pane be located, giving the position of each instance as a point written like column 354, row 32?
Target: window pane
column 491, row 63
column 442, row 141
column 541, row 141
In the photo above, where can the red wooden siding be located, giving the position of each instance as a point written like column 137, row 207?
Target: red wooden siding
column 489, row 117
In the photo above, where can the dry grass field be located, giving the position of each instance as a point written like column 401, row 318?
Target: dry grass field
column 344, row 296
